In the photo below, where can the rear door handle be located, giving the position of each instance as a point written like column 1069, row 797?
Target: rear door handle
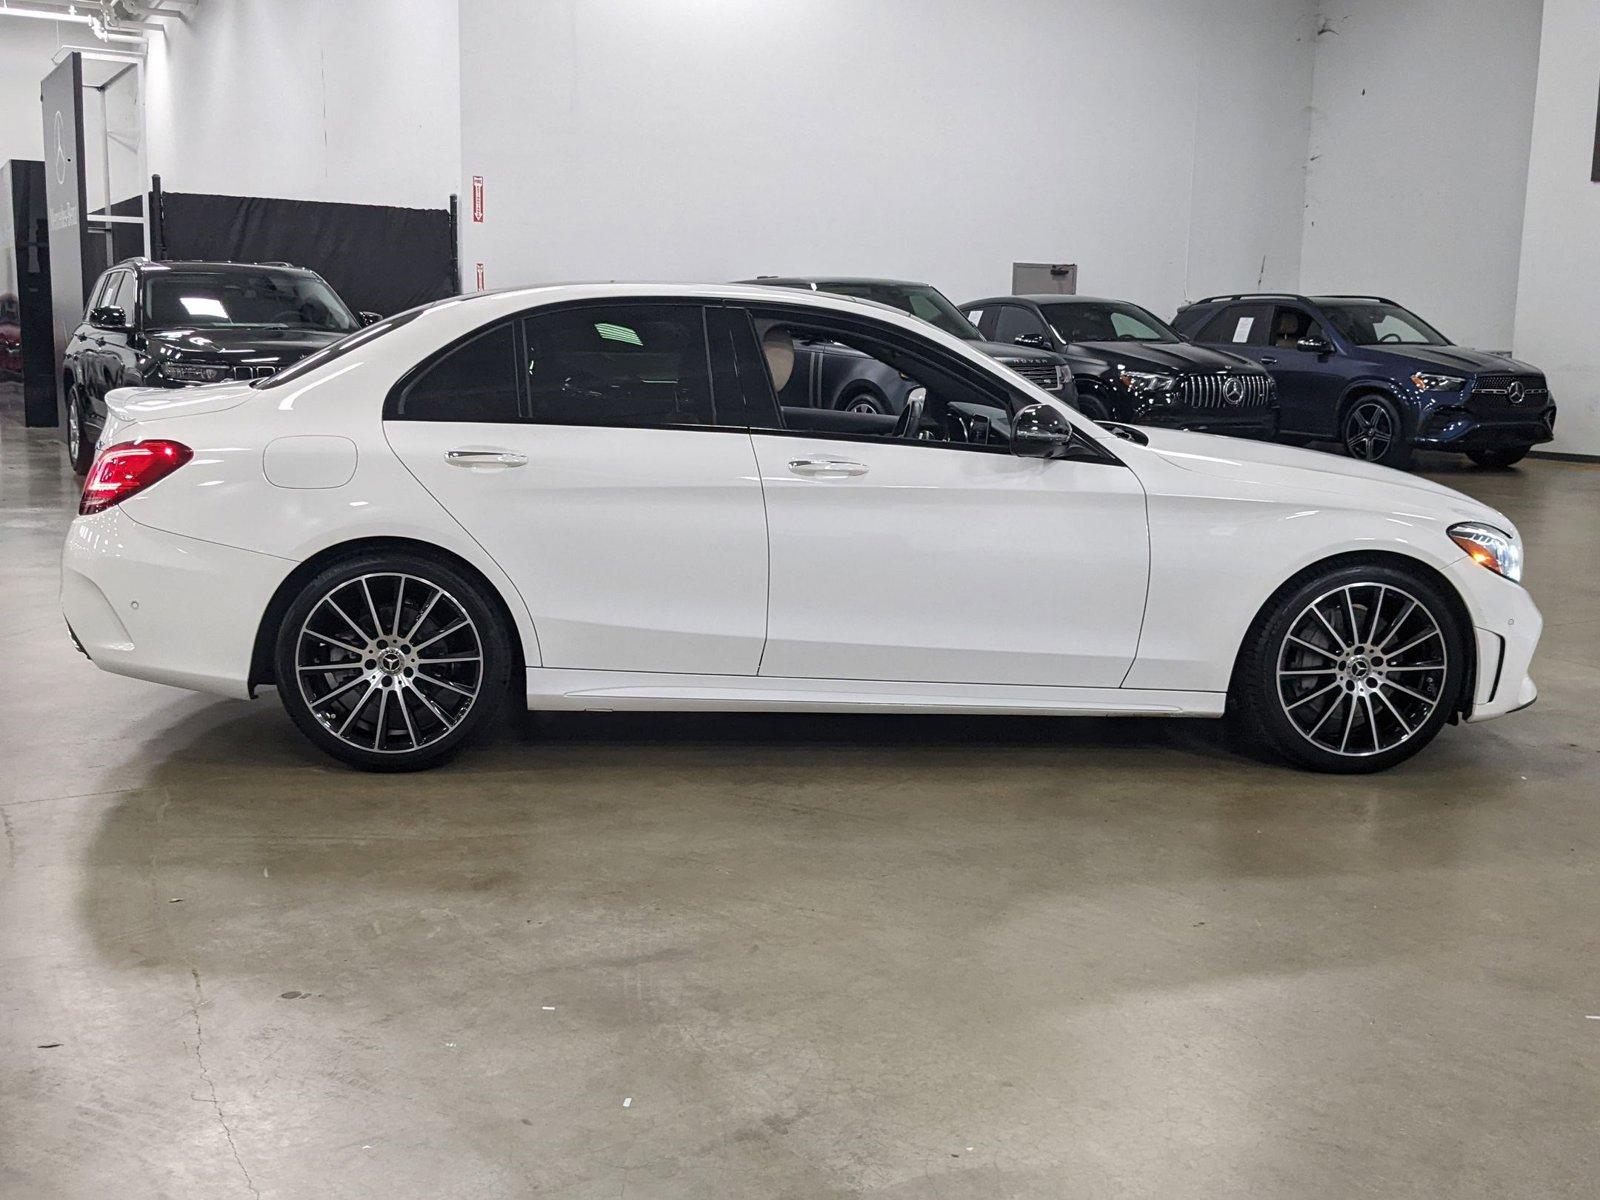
column 485, row 458
column 826, row 468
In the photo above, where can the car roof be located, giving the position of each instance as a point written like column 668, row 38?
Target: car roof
column 218, row 268
column 1049, row 298
column 816, row 281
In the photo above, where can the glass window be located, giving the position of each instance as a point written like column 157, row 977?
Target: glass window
column 474, row 381
column 177, row 299
column 862, row 382
column 352, row 341
column 122, row 297
column 1085, row 321
column 103, row 288
column 626, row 364
column 1239, row 325
column 1290, row 325
column 1374, row 323
column 1014, row 321
column 918, row 299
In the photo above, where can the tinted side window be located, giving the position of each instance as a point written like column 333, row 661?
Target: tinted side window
column 1013, row 321
column 123, row 295
column 1289, row 325
column 102, row 289
column 474, row 381
column 1239, row 324
column 624, row 364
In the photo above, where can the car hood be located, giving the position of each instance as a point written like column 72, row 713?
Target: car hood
column 1286, row 473
column 238, row 347
column 1454, row 358
column 1178, row 358
column 1012, row 352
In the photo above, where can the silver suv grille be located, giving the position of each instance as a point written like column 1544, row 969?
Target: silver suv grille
column 1511, row 391
column 1225, row 390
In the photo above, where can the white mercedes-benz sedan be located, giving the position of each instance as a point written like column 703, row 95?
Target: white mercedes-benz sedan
column 628, row 497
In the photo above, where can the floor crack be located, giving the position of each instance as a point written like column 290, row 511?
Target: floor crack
column 205, row 1074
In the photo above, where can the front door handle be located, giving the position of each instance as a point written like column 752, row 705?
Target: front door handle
column 826, row 468
column 485, row 458
column 1267, row 359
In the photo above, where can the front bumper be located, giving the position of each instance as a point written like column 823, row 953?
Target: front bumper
column 1457, row 428
column 162, row 607
column 1506, row 625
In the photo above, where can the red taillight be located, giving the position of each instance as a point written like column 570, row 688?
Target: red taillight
column 128, row 468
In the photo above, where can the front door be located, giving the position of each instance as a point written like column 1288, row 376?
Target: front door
column 928, row 552
column 1309, row 381
column 579, row 447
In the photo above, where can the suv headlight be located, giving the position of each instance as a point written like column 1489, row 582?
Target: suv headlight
column 193, row 374
column 1149, row 385
column 1437, row 383
column 1063, row 374
column 1489, row 547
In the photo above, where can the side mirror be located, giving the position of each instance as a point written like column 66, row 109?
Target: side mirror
column 108, row 317
column 367, row 318
column 1314, row 345
column 1037, row 340
column 1039, row 431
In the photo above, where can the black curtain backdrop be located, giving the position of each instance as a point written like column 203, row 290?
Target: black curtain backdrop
column 378, row 259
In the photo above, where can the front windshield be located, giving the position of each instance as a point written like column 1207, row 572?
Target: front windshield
column 917, row 299
column 239, row 299
column 1379, row 323
column 1108, row 322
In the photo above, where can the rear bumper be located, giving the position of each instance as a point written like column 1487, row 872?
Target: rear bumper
column 162, row 607
column 1506, row 625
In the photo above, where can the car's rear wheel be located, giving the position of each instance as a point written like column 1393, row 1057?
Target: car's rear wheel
column 1351, row 670
column 392, row 662
column 80, row 447
column 1373, row 431
column 1499, row 456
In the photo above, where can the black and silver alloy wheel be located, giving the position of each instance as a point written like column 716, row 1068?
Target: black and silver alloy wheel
column 1374, row 432
column 1352, row 668
column 1361, row 669
column 80, row 450
column 391, row 664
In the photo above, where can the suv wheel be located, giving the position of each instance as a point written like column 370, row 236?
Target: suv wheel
column 1351, row 670
column 863, row 402
column 1093, row 407
column 1374, row 432
column 80, row 450
column 1499, row 456
column 392, row 662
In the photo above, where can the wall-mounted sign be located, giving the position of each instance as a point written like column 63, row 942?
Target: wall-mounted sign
column 480, row 277
column 477, row 199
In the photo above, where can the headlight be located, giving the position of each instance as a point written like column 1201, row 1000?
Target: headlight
column 184, row 374
column 1063, row 374
column 1437, row 383
column 1489, row 547
column 1149, row 385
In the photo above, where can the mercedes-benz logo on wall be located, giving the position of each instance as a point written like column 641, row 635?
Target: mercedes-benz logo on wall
column 1233, row 390
column 1515, row 392
column 61, row 151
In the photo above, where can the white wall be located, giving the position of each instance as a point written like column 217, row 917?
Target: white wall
column 1559, row 293
column 1148, row 141
column 26, row 47
column 1421, row 117
column 349, row 100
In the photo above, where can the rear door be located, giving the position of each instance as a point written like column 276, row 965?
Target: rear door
column 579, row 446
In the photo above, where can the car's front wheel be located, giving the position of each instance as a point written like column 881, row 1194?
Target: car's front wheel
column 1374, row 431
column 392, row 662
column 1499, row 456
column 1352, row 669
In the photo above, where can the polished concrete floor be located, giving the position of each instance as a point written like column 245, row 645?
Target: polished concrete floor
column 788, row 956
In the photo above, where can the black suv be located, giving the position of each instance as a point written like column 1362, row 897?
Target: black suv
column 843, row 378
column 1129, row 366
column 1365, row 372
column 177, row 324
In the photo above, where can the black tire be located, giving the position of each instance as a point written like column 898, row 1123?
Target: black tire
column 1093, row 407
column 80, row 447
column 1373, row 430
column 864, row 402
column 414, row 602
column 1499, row 457
column 1304, row 687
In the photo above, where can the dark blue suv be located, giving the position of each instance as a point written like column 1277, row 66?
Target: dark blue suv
column 1367, row 373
